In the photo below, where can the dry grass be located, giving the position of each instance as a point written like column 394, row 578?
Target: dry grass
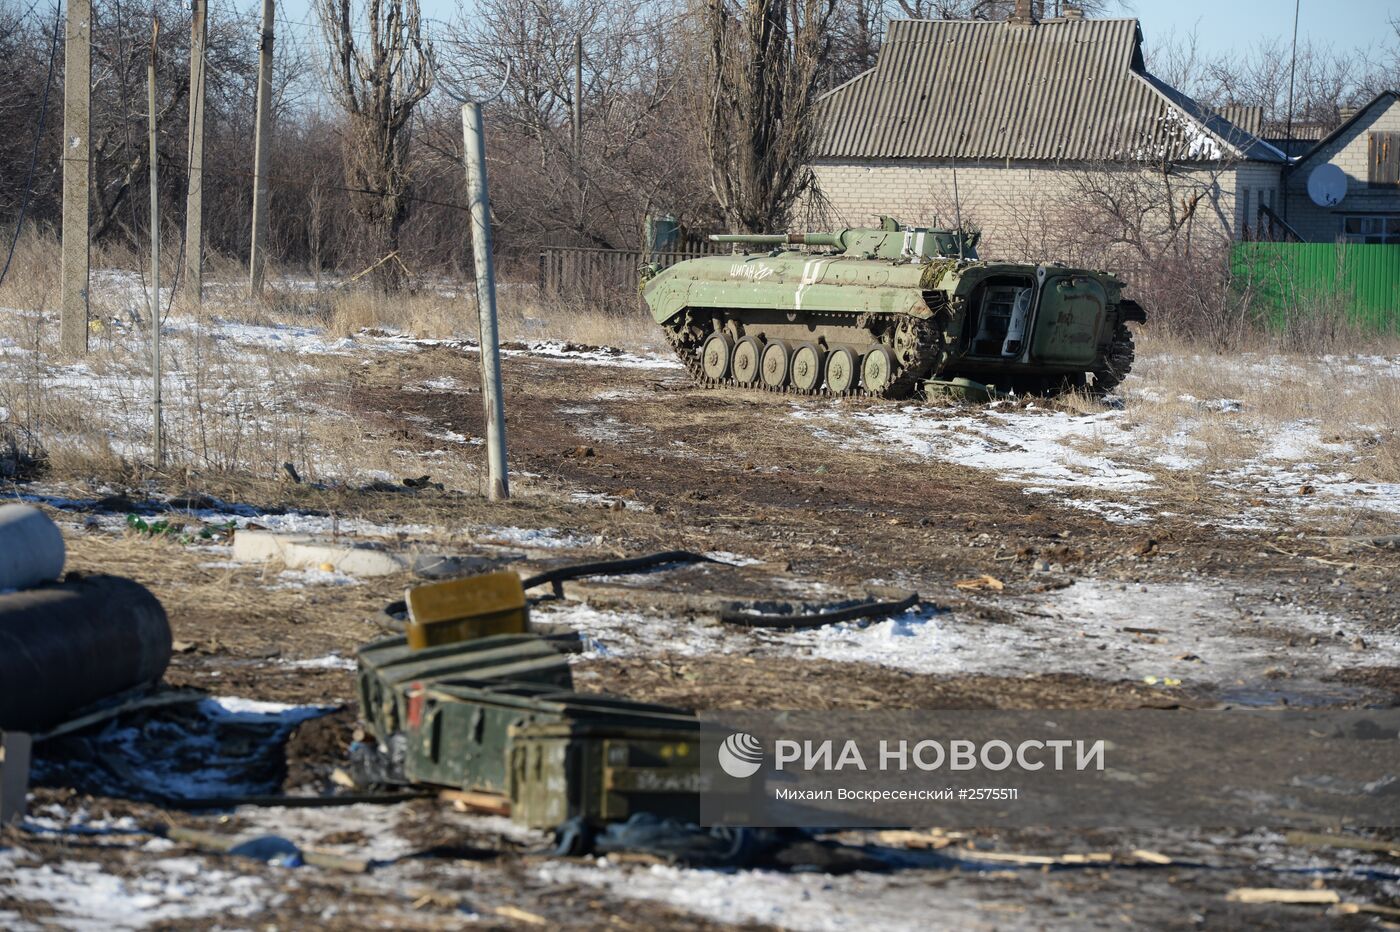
column 1348, row 401
column 33, row 279
column 523, row 315
column 236, row 408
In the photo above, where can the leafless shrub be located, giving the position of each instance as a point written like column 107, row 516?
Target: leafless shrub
column 378, row 82
column 762, row 74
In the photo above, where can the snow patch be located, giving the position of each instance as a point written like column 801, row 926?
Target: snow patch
column 167, row 891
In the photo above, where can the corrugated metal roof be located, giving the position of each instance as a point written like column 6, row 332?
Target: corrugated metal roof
column 1070, row 89
column 1247, row 117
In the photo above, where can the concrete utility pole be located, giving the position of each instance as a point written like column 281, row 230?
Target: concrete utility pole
column 77, row 152
column 257, row 254
column 498, row 483
column 194, row 192
column 157, row 448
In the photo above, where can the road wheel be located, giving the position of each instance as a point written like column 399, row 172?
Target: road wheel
column 877, row 369
column 714, row 356
column 841, row 369
column 807, row 361
column 776, row 363
column 1116, row 363
column 745, row 362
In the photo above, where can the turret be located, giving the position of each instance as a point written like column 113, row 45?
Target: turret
column 889, row 241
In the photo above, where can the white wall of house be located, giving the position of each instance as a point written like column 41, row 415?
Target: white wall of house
column 1020, row 206
column 1257, row 184
column 1369, row 208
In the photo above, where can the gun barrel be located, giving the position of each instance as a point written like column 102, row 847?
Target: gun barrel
column 779, row 239
column 757, row 239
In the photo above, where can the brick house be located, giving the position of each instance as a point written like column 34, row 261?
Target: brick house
column 1366, row 149
column 1012, row 116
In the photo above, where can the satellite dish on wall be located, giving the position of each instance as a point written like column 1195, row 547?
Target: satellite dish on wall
column 1327, row 185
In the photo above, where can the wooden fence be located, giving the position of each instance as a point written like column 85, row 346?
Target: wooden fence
column 607, row 277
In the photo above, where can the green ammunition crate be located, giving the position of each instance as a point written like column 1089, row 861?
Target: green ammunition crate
column 458, row 731
column 388, row 667
column 604, row 772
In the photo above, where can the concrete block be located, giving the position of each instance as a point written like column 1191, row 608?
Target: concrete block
column 301, row 551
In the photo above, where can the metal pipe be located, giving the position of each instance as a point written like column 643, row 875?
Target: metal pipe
column 157, row 447
column 66, row 646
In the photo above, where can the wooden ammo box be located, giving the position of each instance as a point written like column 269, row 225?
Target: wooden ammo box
column 605, row 772
column 458, row 731
column 388, row 667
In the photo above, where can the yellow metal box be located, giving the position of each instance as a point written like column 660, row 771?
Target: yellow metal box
column 464, row 609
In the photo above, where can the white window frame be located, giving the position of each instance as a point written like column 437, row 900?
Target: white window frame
column 1377, row 233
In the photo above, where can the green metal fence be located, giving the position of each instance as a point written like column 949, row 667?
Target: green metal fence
column 1359, row 280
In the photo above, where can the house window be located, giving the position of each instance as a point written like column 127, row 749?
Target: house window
column 1371, row 229
column 1384, row 162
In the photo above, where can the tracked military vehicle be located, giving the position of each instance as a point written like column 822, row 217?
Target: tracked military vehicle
column 889, row 312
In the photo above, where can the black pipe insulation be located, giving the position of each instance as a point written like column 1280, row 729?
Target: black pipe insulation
column 67, row 645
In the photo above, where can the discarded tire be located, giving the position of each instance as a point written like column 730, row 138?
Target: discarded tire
column 66, row 646
column 31, row 547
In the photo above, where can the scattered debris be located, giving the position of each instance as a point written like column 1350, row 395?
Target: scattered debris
column 301, row 551
column 271, row 848
column 1323, row 840
column 1151, row 857
column 981, row 582
column 472, row 801
column 931, row 840
column 1276, row 895
column 519, row 915
column 1352, row 909
column 795, row 616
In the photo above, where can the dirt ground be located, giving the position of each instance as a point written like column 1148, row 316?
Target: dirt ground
column 1185, row 606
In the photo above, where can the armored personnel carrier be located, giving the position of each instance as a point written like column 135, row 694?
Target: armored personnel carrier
column 889, row 312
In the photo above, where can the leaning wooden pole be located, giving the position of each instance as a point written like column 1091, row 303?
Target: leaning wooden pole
column 194, row 190
column 77, row 153
column 157, row 446
column 257, row 253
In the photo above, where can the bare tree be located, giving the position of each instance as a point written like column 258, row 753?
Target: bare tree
column 762, row 74
column 990, row 9
column 857, row 28
column 1382, row 71
column 378, row 77
column 596, row 189
column 1327, row 81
